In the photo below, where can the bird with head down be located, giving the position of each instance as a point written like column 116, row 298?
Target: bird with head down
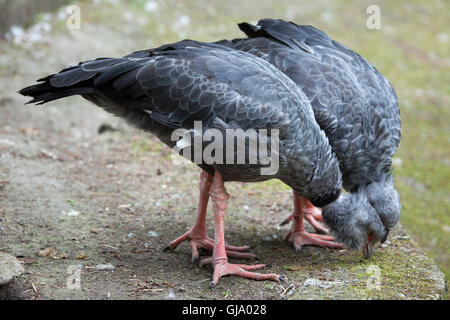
column 175, row 86
column 357, row 108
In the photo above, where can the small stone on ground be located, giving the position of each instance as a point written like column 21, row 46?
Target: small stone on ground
column 10, row 268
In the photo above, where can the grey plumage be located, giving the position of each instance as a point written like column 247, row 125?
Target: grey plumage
column 352, row 102
column 353, row 220
column 170, row 87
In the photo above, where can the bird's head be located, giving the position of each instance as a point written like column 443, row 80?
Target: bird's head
column 354, row 222
column 385, row 200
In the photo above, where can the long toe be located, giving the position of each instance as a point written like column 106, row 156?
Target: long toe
column 304, row 238
column 241, row 270
column 317, row 214
column 198, row 244
column 287, row 220
column 206, row 244
column 322, row 237
column 313, row 221
column 175, row 243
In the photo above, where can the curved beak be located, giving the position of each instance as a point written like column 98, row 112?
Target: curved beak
column 385, row 236
column 368, row 247
column 386, row 229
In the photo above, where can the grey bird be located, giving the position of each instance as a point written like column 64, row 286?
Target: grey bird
column 172, row 87
column 356, row 107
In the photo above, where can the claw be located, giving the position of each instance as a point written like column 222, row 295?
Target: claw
column 195, row 260
column 287, row 220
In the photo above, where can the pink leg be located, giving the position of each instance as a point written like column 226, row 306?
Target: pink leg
column 312, row 214
column 300, row 237
column 222, row 267
column 197, row 234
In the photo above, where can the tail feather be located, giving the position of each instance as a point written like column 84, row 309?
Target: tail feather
column 47, row 96
column 70, row 77
column 83, row 79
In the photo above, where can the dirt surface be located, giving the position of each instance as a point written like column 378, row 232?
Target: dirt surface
column 73, row 198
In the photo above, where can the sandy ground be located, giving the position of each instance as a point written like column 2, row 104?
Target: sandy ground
column 73, row 198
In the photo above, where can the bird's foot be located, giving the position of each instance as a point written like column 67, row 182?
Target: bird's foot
column 223, row 268
column 287, row 220
column 303, row 207
column 313, row 216
column 303, row 238
column 206, row 243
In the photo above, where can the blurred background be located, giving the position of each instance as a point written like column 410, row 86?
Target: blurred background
column 411, row 48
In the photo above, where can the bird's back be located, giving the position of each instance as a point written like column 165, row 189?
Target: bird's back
column 353, row 103
column 173, row 86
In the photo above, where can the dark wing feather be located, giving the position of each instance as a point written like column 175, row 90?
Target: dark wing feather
column 352, row 102
column 174, row 85
column 201, row 83
column 177, row 84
